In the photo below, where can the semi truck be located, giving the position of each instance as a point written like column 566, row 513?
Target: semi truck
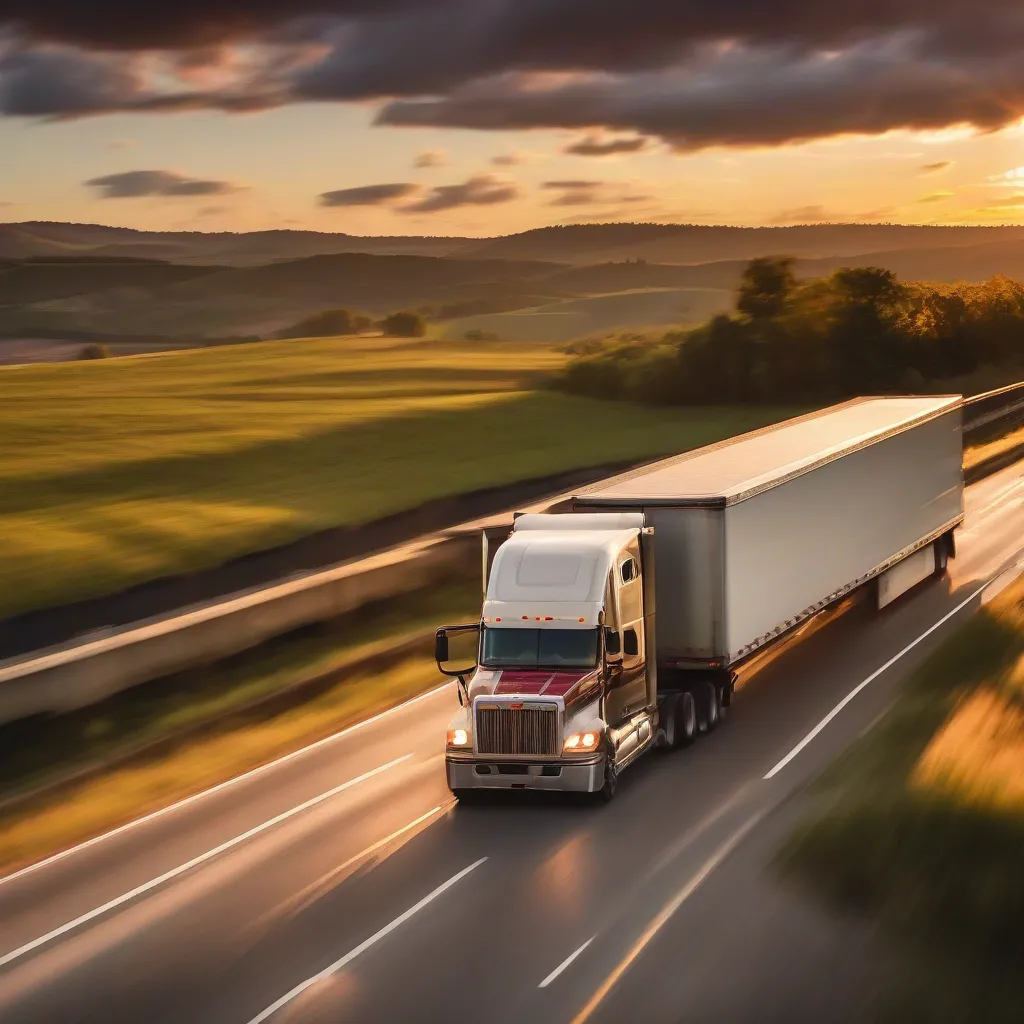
column 618, row 625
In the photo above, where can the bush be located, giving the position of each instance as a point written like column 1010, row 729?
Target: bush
column 94, row 351
column 328, row 323
column 404, row 324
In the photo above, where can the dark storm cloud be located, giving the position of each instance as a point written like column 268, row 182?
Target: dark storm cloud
column 692, row 72
column 745, row 97
column 137, row 184
column 367, row 195
column 130, row 25
column 591, row 145
column 482, row 190
column 66, row 83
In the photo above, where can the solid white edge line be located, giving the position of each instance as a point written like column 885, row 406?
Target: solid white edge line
column 364, row 945
column 565, row 963
column 870, row 679
column 181, row 869
column 202, row 794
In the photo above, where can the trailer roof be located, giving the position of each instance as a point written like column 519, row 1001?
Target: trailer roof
column 731, row 470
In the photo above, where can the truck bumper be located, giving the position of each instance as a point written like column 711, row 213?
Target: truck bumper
column 572, row 777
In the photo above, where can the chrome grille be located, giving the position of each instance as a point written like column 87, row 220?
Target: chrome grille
column 503, row 729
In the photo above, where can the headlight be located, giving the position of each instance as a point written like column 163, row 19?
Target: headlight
column 458, row 738
column 580, row 742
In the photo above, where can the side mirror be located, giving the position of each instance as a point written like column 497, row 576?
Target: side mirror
column 442, row 653
column 440, row 647
column 612, row 643
column 631, row 643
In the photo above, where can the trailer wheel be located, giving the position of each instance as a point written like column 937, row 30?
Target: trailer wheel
column 712, row 706
column 941, row 556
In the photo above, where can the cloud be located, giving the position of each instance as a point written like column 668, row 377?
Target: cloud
column 738, row 97
column 508, row 159
column 431, row 158
column 482, row 190
column 594, row 145
column 939, row 165
column 367, row 195
column 574, row 193
column 1008, row 179
column 125, row 25
column 692, row 73
column 815, row 214
column 64, row 83
column 935, row 197
column 1013, row 201
column 584, row 192
column 138, row 184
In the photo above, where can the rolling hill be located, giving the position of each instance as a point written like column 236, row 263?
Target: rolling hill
column 554, row 284
column 578, row 244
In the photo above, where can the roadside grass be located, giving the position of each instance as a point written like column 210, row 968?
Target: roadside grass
column 921, row 827
column 120, row 471
column 978, row 453
column 211, row 722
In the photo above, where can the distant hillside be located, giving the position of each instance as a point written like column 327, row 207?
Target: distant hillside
column 695, row 244
column 87, row 285
column 581, row 244
column 18, row 241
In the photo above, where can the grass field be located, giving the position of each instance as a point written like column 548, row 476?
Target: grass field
column 921, row 826
column 118, row 471
column 648, row 308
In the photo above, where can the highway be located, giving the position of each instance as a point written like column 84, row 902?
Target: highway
column 341, row 883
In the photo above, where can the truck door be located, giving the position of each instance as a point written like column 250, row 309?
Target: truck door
column 627, row 692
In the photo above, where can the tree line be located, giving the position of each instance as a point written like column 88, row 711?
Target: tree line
column 858, row 331
column 332, row 322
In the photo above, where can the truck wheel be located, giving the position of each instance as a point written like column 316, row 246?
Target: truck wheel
column 611, row 782
column 686, row 726
column 712, row 706
column 941, row 556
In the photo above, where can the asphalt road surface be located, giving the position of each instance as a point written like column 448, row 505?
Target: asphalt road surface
column 342, row 884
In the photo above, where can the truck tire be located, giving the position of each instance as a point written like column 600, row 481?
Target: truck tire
column 686, row 727
column 712, row 700
column 941, row 556
column 606, row 793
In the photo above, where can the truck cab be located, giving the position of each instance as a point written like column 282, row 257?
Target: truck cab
column 564, row 692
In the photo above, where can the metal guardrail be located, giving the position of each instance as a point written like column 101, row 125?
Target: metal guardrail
column 91, row 669
column 993, row 405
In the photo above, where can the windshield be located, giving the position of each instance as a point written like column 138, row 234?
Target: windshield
column 540, row 648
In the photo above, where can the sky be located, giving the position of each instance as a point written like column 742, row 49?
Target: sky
column 486, row 117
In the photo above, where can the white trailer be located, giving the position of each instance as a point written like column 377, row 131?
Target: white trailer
column 618, row 626
column 757, row 533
